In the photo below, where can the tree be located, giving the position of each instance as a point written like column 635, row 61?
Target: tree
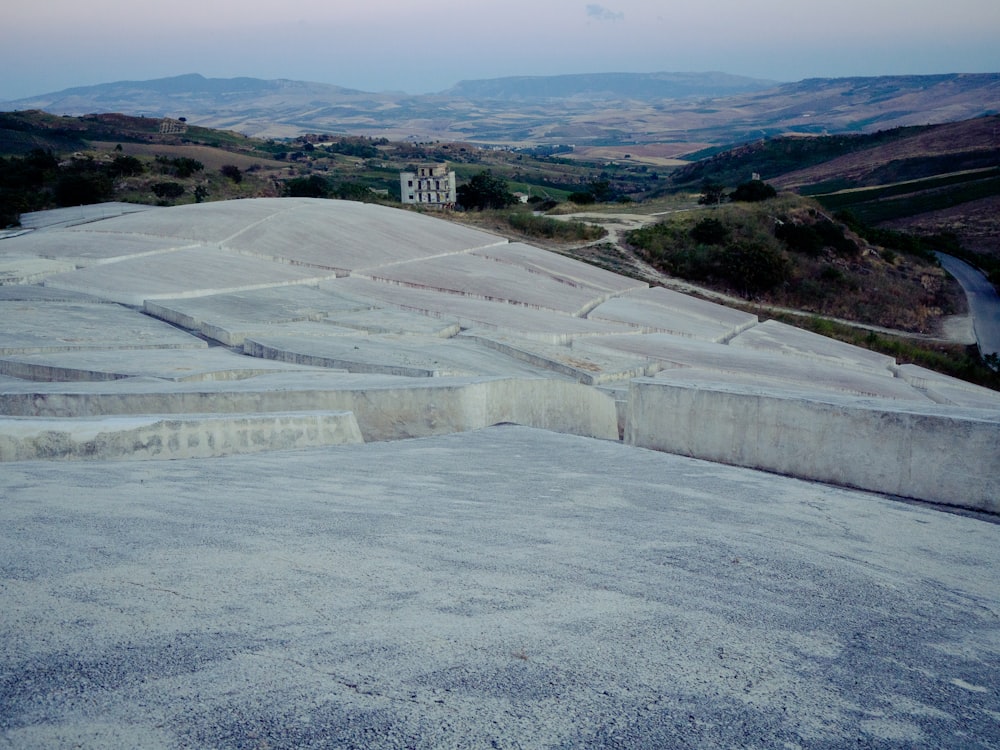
column 125, row 166
column 182, row 166
column 753, row 192
column 83, row 184
column 711, row 193
column 754, row 267
column 602, row 191
column 312, row 186
column 485, row 190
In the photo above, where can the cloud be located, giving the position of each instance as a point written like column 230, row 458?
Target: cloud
column 603, row 14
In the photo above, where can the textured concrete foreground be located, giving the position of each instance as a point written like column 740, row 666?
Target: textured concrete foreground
column 507, row 588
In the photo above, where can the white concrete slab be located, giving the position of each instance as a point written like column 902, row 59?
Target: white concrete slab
column 409, row 355
column 88, row 246
column 75, row 215
column 948, row 390
column 169, row 364
column 230, row 318
column 183, row 273
column 590, row 369
column 648, row 317
column 37, row 326
column 507, row 319
column 39, row 293
column 29, row 270
column 227, row 317
column 507, row 588
column 677, row 351
column 211, row 222
column 347, row 235
column 667, row 311
column 485, row 279
column 558, row 267
column 785, row 340
column 399, row 322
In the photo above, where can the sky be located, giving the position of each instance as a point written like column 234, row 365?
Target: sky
column 423, row 46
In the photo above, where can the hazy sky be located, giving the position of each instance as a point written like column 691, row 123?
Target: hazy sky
column 421, row 46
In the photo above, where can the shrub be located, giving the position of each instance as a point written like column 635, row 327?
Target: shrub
column 544, row 226
column 709, row 232
column 810, row 239
column 754, row 267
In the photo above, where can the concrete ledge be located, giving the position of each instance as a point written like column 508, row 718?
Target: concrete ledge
column 927, row 452
column 161, row 437
column 393, row 410
column 563, row 360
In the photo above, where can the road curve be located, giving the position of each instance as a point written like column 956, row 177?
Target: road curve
column 984, row 303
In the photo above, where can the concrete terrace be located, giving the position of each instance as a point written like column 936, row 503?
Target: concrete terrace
column 550, row 584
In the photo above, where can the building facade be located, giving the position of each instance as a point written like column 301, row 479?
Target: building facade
column 431, row 185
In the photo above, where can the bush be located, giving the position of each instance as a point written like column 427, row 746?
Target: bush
column 232, row 172
column 810, row 239
column 79, row 187
column 167, row 190
column 709, row 232
column 542, row 204
column 581, row 198
column 125, row 166
column 544, row 226
column 754, row 267
column 182, row 167
column 312, row 186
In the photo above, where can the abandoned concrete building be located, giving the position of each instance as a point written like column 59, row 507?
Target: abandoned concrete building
column 430, row 185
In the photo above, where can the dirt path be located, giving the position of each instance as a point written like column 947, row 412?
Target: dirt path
column 957, row 329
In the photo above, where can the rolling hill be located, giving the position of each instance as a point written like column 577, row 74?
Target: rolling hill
column 680, row 112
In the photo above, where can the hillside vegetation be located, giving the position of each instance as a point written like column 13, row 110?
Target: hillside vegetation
column 48, row 161
column 787, row 252
column 940, row 181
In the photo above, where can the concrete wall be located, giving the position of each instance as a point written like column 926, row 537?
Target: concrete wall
column 160, row 437
column 432, row 406
column 936, row 454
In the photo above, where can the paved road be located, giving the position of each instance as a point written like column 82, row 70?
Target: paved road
column 984, row 303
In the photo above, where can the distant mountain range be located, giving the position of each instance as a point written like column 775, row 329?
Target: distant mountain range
column 608, row 87
column 691, row 110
